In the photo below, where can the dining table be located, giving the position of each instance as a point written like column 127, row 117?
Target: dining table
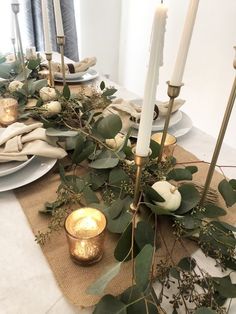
column 27, row 283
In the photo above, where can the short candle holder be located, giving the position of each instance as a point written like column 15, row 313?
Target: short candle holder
column 8, row 111
column 140, row 162
column 169, row 144
column 49, row 59
column 173, row 92
column 61, row 43
column 85, row 231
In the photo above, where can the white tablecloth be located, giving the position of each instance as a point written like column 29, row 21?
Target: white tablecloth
column 27, row 285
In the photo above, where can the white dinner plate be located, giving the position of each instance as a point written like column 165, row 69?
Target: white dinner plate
column 158, row 124
column 70, row 76
column 178, row 130
column 7, row 168
column 38, row 167
column 90, row 75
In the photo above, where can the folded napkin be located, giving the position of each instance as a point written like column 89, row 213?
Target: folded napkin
column 20, row 140
column 75, row 67
column 128, row 111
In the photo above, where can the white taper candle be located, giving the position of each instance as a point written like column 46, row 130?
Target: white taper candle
column 177, row 76
column 46, row 29
column 58, row 17
column 152, row 79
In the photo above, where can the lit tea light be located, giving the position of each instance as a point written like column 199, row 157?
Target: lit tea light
column 169, row 145
column 8, row 111
column 85, row 230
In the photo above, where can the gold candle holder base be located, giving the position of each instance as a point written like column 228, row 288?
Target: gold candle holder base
column 61, row 43
column 220, row 139
column 140, row 162
column 173, row 92
column 49, row 59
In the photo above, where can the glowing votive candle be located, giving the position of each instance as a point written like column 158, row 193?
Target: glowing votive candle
column 85, row 230
column 169, row 145
column 8, row 111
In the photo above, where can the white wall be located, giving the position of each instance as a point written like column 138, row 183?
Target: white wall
column 98, row 27
column 209, row 73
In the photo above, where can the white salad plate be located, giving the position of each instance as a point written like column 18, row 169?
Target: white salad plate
column 179, row 129
column 7, row 168
column 88, row 76
column 70, row 76
column 158, row 124
column 38, row 167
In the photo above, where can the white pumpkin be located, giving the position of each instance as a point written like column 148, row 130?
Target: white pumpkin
column 47, row 93
column 170, row 194
column 15, row 86
column 53, row 107
column 117, row 141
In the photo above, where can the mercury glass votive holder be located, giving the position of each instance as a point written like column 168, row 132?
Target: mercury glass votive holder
column 8, row 111
column 85, row 231
column 169, row 145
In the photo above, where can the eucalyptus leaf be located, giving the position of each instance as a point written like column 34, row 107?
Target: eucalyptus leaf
column 232, row 182
column 187, row 264
column 79, row 146
column 227, row 192
column 224, row 286
column 179, row 174
column 190, row 222
column 109, row 126
column 60, row 133
column 102, row 85
column 174, row 272
column 192, row 169
column 190, row 198
column 119, row 224
column 123, row 248
column 21, row 77
column 33, row 64
column 205, row 310
column 144, row 234
column 88, row 149
column 98, row 179
column 158, row 210
column 105, row 160
column 90, row 196
column 153, row 195
column 117, row 176
column 97, row 288
column 109, row 304
column 66, row 92
column 143, row 264
column 109, row 92
column 116, row 208
column 155, row 148
column 213, row 211
column 37, row 85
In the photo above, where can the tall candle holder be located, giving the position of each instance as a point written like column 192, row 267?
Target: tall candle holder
column 16, row 9
column 140, row 162
column 61, row 43
column 219, row 140
column 49, row 59
column 173, row 92
column 14, row 47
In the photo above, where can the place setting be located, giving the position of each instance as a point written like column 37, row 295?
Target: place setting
column 126, row 210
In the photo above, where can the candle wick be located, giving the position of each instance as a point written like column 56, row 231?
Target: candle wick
column 161, row 1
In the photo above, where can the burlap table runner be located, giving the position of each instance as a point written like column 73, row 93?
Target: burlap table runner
column 73, row 279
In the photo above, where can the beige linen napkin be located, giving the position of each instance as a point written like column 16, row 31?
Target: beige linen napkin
column 75, row 67
column 17, row 145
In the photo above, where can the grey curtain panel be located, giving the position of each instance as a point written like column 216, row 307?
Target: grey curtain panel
column 34, row 27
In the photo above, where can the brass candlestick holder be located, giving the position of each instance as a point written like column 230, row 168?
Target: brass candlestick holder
column 61, row 43
column 16, row 9
column 219, row 140
column 14, row 47
column 140, row 162
column 173, row 92
column 49, row 59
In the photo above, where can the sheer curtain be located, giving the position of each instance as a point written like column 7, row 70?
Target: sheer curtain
column 33, row 29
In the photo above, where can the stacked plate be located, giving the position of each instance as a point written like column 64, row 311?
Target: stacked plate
column 78, row 77
column 180, row 123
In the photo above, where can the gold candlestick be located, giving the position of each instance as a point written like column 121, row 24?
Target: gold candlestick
column 61, row 43
column 16, row 9
column 219, row 140
column 140, row 162
column 14, row 47
column 173, row 92
column 49, row 59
